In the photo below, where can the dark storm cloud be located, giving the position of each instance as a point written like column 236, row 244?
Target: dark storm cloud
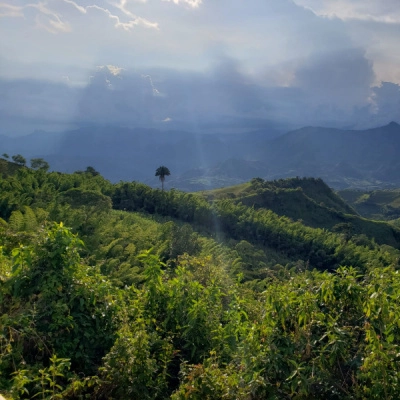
column 327, row 89
column 156, row 96
column 27, row 104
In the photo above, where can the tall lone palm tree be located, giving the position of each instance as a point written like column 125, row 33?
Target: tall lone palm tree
column 162, row 172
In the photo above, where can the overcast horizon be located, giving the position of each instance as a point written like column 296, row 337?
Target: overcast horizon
column 198, row 65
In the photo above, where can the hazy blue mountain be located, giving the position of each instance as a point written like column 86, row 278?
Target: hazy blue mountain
column 343, row 158
column 338, row 156
column 132, row 154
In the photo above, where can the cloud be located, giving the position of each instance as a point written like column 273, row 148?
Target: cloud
column 191, row 3
column 223, row 98
column 326, row 88
column 51, row 19
column 127, row 26
column 8, row 10
column 112, row 69
column 122, row 5
column 386, row 101
column 342, row 78
column 126, row 98
column 270, row 35
column 365, row 10
column 45, row 18
column 27, row 105
column 198, row 63
column 81, row 9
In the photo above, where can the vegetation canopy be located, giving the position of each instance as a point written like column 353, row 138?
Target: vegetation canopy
column 116, row 291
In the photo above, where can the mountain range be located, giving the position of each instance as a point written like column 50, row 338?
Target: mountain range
column 366, row 159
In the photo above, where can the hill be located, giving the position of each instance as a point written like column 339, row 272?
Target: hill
column 342, row 158
column 307, row 200
column 377, row 204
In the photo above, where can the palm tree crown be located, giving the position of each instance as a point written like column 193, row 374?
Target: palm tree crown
column 162, row 172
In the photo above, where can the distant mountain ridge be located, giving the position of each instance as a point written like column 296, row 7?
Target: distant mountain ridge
column 365, row 159
column 340, row 156
column 343, row 158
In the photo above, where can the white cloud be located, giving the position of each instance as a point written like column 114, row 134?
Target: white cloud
column 45, row 18
column 50, row 19
column 78, row 7
column 8, row 10
column 123, row 4
column 127, row 26
column 112, row 69
column 191, row 3
column 387, row 11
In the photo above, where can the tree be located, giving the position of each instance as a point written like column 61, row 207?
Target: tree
column 162, row 172
column 39, row 163
column 5, row 155
column 18, row 159
column 90, row 170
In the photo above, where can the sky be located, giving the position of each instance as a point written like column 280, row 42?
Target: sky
column 198, row 64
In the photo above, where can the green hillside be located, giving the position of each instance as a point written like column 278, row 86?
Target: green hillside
column 314, row 189
column 378, row 204
column 310, row 201
column 116, row 291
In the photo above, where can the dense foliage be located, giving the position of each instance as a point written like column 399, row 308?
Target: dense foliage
column 121, row 291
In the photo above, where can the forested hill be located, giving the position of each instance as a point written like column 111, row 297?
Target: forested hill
column 124, row 291
column 252, row 192
column 343, row 158
column 307, row 200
